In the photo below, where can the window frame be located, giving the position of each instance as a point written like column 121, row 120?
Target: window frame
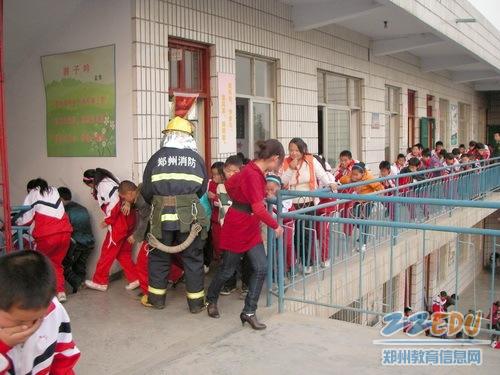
column 253, row 98
column 203, row 91
column 349, row 105
column 253, row 94
column 355, row 132
column 390, row 114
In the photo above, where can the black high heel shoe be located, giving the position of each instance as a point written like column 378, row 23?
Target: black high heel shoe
column 252, row 320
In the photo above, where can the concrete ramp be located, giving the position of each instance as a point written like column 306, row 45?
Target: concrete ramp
column 118, row 336
column 298, row 344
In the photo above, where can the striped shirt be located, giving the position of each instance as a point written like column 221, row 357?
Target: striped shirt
column 50, row 350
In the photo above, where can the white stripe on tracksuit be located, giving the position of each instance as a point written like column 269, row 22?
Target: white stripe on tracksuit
column 48, row 204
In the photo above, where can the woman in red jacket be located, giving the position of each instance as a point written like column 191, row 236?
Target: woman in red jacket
column 241, row 230
column 51, row 227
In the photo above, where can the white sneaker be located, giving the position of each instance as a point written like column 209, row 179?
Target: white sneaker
column 91, row 285
column 133, row 285
column 326, row 264
column 308, row 270
column 206, row 269
column 61, row 297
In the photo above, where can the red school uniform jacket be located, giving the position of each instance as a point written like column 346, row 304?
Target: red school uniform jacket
column 50, row 350
column 120, row 226
column 47, row 213
column 241, row 230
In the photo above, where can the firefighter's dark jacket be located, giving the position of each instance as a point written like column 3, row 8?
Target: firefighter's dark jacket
column 178, row 173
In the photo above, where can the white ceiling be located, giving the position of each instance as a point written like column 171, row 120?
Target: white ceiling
column 404, row 32
column 398, row 23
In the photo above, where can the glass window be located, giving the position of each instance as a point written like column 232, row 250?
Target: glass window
column 264, row 78
column 243, row 75
column 173, row 66
column 338, row 133
column 392, row 99
column 336, row 90
column 354, row 92
column 261, row 121
column 192, row 69
column 395, row 100
column 321, row 88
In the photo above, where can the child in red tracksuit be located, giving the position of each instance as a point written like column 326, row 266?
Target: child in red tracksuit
column 131, row 195
column 119, row 227
column 51, row 226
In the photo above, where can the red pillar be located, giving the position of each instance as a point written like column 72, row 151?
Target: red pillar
column 4, row 168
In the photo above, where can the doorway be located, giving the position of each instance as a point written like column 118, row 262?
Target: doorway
column 189, row 74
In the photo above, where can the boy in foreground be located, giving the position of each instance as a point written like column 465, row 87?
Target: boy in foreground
column 35, row 332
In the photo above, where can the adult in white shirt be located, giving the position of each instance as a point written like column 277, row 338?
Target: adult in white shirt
column 303, row 172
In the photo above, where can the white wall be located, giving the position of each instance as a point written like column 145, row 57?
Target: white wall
column 36, row 28
column 265, row 28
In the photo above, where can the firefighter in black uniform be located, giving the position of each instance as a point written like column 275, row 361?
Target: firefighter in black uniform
column 174, row 180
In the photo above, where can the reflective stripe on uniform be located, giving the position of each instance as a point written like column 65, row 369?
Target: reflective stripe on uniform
column 159, row 292
column 195, row 295
column 169, row 217
column 177, row 177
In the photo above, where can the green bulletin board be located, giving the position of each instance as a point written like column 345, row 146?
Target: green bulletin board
column 80, row 102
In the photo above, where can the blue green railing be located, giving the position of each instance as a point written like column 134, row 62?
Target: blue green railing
column 345, row 228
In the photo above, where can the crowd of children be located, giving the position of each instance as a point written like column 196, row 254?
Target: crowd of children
column 61, row 230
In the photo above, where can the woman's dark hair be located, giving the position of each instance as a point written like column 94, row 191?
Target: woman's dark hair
column 220, row 168
column 97, row 175
column 39, row 183
column 472, row 144
column 461, row 146
column 449, row 156
column 401, row 156
column 455, row 151
column 360, row 167
column 301, row 145
column 268, row 149
column 439, row 143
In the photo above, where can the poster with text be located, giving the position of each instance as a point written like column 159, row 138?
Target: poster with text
column 227, row 113
column 81, row 102
column 454, row 125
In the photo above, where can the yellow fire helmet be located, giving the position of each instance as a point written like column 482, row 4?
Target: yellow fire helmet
column 179, row 124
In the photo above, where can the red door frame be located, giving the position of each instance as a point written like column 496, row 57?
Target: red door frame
column 203, row 92
column 4, row 182
column 411, row 117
